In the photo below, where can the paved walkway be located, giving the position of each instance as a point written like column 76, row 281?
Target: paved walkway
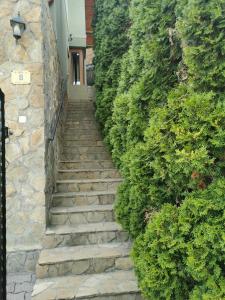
column 20, row 286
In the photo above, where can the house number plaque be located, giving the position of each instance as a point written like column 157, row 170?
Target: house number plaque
column 20, row 77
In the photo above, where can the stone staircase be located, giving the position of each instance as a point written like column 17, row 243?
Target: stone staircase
column 86, row 253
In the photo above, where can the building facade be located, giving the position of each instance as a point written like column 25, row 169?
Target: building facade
column 73, row 20
column 53, row 51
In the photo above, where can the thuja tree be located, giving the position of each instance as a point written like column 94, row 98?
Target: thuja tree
column 182, row 248
column 111, row 23
column 149, row 72
column 168, row 137
column 181, row 255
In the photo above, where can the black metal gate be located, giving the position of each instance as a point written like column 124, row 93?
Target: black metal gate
column 2, row 201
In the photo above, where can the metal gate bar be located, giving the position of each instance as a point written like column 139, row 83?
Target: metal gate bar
column 2, row 201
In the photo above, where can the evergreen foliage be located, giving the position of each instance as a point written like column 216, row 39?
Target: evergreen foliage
column 155, row 57
column 181, row 254
column 148, row 73
column 165, row 121
column 111, row 23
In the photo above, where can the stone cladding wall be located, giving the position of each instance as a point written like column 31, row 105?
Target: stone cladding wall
column 54, row 93
column 31, row 159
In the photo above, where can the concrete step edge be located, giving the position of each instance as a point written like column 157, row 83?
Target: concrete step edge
column 86, row 170
column 88, row 194
column 89, row 180
column 81, row 209
column 88, row 286
column 84, row 228
column 77, row 253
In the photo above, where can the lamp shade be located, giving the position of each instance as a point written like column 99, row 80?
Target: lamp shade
column 18, row 26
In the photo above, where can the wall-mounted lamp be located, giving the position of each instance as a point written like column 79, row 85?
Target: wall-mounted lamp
column 18, row 26
column 70, row 37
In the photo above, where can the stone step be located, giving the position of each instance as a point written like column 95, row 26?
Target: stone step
column 78, row 118
column 80, row 122
column 81, row 214
column 85, row 149
column 70, row 155
column 85, row 137
column 83, row 143
column 81, row 114
column 80, row 101
column 75, row 155
column 87, row 185
column 82, row 131
column 88, row 174
column 119, row 285
column 84, row 234
column 86, row 259
column 71, row 120
column 83, row 198
column 83, row 100
column 80, row 105
column 76, row 106
column 88, row 164
column 89, row 108
column 81, row 127
column 84, row 126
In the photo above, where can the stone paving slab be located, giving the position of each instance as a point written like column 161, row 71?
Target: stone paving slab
column 87, row 185
column 83, row 228
column 87, row 164
column 83, row 198
column 82, row 214
column 63, row 254
column 20, row 286
column 86, row 170
column 88, row 174
column 90, row 180
column 90, row 193
column 84, row 234
column 88, row 208
column 107, row 285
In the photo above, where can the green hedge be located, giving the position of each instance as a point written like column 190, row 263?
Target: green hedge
column 181, row 255
column 110, row 23
column 148, row 72
column 166, row 129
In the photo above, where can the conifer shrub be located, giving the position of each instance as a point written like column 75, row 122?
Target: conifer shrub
column 148, row 71
column 183, row 145
column 183, row 151
column 165, row 122
column 202, row 30
column 181, row 255
column 110, row 23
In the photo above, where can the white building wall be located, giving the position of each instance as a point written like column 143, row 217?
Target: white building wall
column 77, row 22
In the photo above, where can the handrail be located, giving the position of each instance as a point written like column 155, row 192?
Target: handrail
column 52, row 136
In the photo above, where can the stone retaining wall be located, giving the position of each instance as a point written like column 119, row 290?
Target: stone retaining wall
column 54, row 93
column 31, row 159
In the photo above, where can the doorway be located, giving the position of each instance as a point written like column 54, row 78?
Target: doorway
column 77, row 66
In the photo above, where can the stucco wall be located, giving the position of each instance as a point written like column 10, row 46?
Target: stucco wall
column 77, row 22
column 60, row 24
column 27, row 161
